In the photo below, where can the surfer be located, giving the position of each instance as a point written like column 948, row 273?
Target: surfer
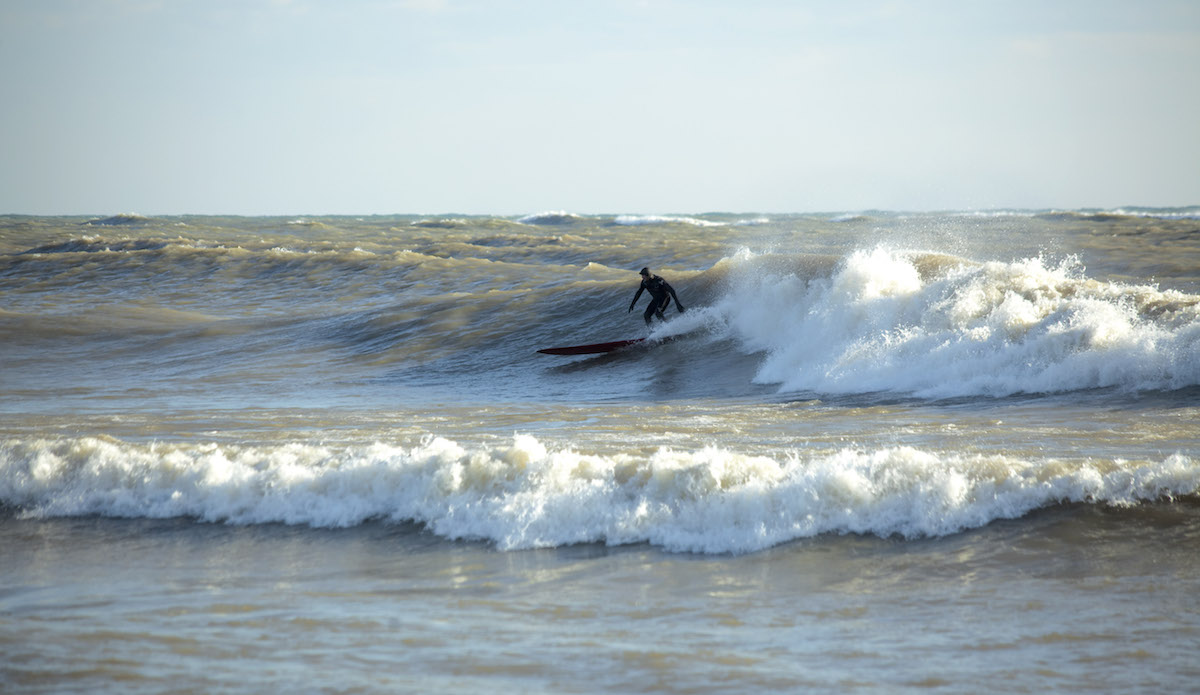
column 661, row 294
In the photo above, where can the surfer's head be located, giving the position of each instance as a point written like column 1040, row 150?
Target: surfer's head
column 645, row 272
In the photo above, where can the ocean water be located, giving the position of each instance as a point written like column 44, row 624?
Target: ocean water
column 879, row 452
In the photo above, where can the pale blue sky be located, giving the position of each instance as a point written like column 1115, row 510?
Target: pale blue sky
column 653, row 106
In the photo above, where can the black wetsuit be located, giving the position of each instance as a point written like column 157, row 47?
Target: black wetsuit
column 661, row 294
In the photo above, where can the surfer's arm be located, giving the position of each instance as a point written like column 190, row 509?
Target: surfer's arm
column 635, row 297
column 678, row 304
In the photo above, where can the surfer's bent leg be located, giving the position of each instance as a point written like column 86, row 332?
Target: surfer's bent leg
column 656, row 309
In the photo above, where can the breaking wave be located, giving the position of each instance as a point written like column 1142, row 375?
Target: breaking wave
column 937, row 326
column 525, row 495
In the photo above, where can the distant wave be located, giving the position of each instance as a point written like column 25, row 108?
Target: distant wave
column 452, row 223
column 551, row 218
column 525, row 495
column 993, row 213
column 95, row 244
column 1188, row 213
column 123, row 219
column 637, row 220
column 1117, row 214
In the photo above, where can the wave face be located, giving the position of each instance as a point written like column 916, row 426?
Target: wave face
column 834, row 313
column 524, row 495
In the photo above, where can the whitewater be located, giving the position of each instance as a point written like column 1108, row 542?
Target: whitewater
column 524, row 496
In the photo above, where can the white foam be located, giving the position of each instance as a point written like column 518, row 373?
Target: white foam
column 900, row 321
column 637, row 220
column 550, row 218
column 524, row 495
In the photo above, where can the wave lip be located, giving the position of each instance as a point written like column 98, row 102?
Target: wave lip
column 524, row 495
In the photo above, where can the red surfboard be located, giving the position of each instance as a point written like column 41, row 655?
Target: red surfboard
column 594, row 349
